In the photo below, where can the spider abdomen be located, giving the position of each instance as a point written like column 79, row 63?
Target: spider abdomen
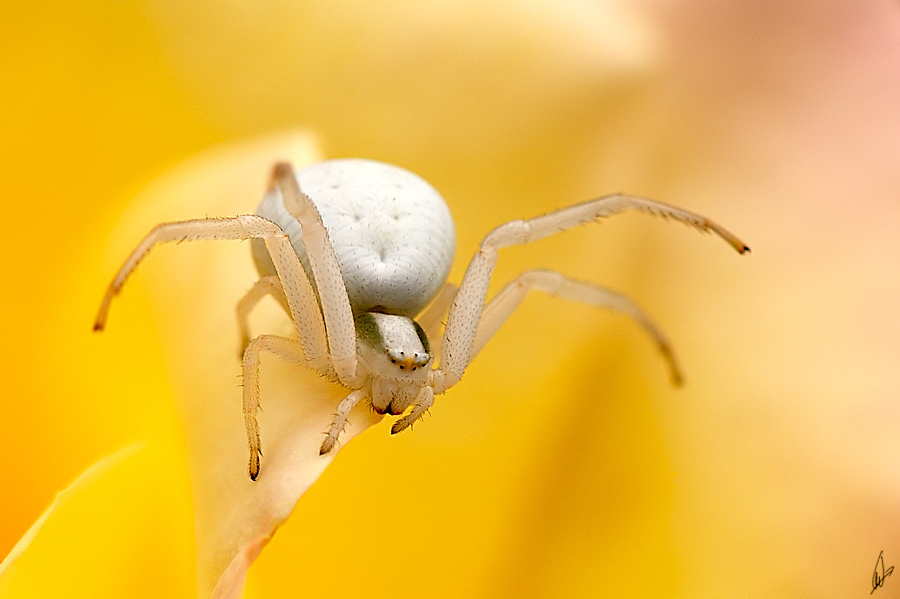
column 392, row 232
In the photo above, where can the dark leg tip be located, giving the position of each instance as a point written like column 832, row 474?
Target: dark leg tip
column 326, row 447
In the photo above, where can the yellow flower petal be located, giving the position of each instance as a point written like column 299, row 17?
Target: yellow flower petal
column 102, row 467
column 121, row 529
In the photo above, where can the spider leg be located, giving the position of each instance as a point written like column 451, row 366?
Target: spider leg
column 340, row 420
column 339, row 323
column 295, row 285
column 284, row 348
column 263, row 287
column 465, row 313
column 553, row 283
column 432, row 318
column 423, row 402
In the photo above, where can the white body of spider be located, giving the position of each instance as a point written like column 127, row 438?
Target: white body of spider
column 355, row 250
column 391, row 231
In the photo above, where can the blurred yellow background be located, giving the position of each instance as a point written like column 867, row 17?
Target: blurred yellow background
column 563, row 465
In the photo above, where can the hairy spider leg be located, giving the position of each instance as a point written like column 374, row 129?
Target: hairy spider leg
column 284, row 348
column 466, row 311
column 553, row 283
column 297, row 290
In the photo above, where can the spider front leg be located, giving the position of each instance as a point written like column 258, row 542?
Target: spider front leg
column 466, row 311
column 296, row 287
column 553, row 283
column 432, row 318
column 333, row 298
column 284, row 348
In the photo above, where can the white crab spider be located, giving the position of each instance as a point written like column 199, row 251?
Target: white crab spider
column 354, row 250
